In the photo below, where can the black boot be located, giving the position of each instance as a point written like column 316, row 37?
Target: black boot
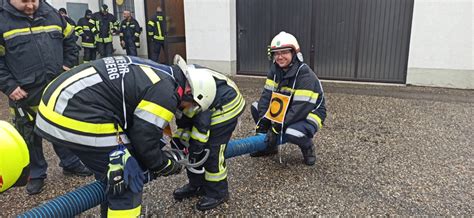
column 187, row 191
column 309, row 155
column 265, row 152
column 35, row 186
column 81, row 170
column 207, row 203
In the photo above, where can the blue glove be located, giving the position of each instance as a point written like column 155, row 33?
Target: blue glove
column 133, row 175
column 124, row 173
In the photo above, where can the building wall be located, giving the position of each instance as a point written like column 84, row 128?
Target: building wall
column 211, row 34
column 441, row 46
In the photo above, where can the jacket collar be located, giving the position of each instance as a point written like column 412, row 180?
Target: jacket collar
column 291, row 72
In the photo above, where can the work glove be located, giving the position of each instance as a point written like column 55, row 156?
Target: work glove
column 262, row 126
column 124, row 173
column 170, row 167
column 271, row 139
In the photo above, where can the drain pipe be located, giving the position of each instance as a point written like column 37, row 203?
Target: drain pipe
column 91, row 195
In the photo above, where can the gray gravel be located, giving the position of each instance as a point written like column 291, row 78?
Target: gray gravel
column 385, row 150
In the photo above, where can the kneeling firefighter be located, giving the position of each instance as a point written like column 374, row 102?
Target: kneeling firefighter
column 14, row 158
column 111, row 113
column 206, row 119
column 292, row 105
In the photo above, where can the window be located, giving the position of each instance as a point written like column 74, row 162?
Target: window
column 123, row 5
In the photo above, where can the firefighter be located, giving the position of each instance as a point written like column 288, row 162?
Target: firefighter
column 86, row 30
column 14, row 158
column 106, row 25
column 206, row 119
column 156, row 29
column 36, row 45
column 130, row 34
column 63, row 12
column 118, row 106
column 292, row 105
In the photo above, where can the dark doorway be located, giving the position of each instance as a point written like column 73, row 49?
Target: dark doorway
column 175, row 40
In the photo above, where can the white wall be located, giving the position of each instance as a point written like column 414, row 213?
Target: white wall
column 93, row 5
column 441, row 45
column 211, row 34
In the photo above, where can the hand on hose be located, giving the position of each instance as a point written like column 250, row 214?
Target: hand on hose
column 271, row 138
column 170, row 167
column 262, row 126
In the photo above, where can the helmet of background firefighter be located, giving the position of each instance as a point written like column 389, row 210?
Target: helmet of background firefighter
column 14, row 158
column 284, row 41
column 203, row 85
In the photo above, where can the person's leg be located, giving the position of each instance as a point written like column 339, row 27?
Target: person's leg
column 109, row 49
column 131, row 49
column 87, row 55
column 215, row 174
column 93, row 52
column 101, row 49
column 70, row 162
column 154, row 55
column 301, row 133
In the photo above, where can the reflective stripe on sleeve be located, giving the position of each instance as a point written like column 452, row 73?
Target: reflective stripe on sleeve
column 315, row 119
column 153, row 113
column 306, row 96
column 270, row 85
column 33, row 30
column 199, row 136
column 294, row 133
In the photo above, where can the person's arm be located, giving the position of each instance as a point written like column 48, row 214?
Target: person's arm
column 151, row 116
column 8, row 83
column 304, row 97
column 137, row 30
column 70, row 50
column 150, row 28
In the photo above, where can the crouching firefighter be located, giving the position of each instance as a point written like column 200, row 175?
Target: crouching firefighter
column 111, row 113
column 292, row 106
column 206, row 119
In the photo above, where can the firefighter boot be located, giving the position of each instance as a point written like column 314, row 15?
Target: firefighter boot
column 309, row 155
column 35, row 186
column 207, row 203
column 187, row 191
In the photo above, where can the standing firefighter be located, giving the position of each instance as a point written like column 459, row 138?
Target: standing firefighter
column 106, row 25
column 130, row 34
column 156, row 32
column 111, row 113
column 205, row 124
column 36, row 45
column 292, row 104
column 86, row 30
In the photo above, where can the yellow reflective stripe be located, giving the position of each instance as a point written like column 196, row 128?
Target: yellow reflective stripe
column 88, row 44
column 222, row 174
column 12, row 111
column 227, row 115
column 135, row 212
column 150, row 73
column 2, row 50
column 271, row 83
column 160, row 34
column 183, row 134
column 77, row 125
column 199, row 136
column 315, row 118
column 305, row 95
column 85, row 73
column 287, row 90
column 222, row 157
column 156, row 109
column 24, row 31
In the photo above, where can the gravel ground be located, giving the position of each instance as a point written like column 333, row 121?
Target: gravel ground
column 385, row 150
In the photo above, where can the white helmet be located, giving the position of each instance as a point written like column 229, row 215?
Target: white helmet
column 203, row 85
column 284, row 41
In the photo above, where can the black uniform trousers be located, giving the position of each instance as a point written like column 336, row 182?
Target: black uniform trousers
column 25, row 126
column 217, row 143
column 156, row 50
column 89, row 54
column 130, row 48
column 105, row 49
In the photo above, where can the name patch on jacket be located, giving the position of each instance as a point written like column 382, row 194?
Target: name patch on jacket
column 116, row 66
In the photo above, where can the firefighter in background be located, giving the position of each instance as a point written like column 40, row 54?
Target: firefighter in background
column 86, row 30
column 209, row 114
column 130, row 34
column 118, row 106
column 14, row 158
column 292, row 105
column 156, row 29
column 63, row 13
column 106, row 25
column 36, row 45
